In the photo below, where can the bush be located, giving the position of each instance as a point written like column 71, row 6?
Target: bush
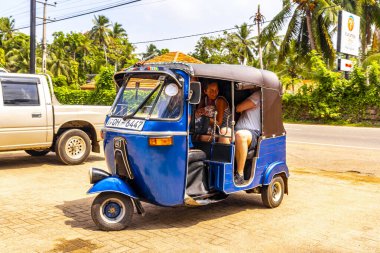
column 104, row 81
column 334, row 99
column 84, row 97
column 60, row 81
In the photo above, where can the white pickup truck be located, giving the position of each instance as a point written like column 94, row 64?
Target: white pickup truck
column 32, row 119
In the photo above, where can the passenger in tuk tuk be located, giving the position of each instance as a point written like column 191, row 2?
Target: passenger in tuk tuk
column 247, row 131
column 205, row 112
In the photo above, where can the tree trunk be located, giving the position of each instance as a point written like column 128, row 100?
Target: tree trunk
column 105, row 54
column 309, row 30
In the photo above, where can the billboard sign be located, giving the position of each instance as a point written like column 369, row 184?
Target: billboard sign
column 345, row 65
column 348, row 33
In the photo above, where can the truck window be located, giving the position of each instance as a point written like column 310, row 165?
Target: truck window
column 20, row 94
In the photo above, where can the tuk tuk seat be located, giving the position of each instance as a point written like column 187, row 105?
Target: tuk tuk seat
column 196, row 155
column 251, row 154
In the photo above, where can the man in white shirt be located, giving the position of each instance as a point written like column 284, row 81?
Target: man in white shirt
column 247, row 131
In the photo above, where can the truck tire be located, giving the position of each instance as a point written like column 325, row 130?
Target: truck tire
column 73, row 147
column 41, row 152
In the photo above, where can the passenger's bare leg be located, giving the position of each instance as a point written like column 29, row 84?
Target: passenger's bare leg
column 227, row 132
column 205, row 138
column 242, row 142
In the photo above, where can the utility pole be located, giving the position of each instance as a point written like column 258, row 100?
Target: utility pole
column 44, row 54
column 32, row 45
column 259, row 20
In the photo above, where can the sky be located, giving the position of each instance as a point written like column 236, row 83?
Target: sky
column 148, row 19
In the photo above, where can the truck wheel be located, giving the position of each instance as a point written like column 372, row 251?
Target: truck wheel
column 273, row 193
column 112, row 211
column 37, row 152
column 73, row 147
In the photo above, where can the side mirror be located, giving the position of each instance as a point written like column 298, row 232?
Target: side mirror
column 195, row 93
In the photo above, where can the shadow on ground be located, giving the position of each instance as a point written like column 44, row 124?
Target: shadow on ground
column 164, row 217
column 19, row 160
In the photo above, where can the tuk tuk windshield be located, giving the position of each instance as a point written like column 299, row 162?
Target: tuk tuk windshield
column 154, row 96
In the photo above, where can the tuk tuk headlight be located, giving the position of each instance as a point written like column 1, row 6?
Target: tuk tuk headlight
column 96, row 175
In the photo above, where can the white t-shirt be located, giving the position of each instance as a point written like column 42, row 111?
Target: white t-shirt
column 251, row 119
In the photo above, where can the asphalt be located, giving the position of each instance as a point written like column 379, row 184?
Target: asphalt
column 334, row 148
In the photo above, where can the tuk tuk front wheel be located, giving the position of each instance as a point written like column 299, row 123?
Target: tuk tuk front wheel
column 112, row 211
column 273, row 193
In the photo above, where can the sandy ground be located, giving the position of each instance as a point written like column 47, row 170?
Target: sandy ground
column 44, row 208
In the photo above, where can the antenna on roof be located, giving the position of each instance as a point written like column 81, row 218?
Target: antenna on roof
column 144, row 60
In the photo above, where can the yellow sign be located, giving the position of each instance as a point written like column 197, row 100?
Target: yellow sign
column 351, row 23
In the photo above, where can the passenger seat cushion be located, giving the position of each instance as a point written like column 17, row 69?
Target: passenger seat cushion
column 251, row 154
column 197, row 180
column 196, row 155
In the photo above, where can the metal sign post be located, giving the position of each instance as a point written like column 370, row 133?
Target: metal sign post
column 32, row 56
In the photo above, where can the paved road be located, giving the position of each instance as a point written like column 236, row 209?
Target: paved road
column 44, row 208
column 334, row 136
column 334, row 148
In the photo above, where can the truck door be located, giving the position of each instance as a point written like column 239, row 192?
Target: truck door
column 23, row 114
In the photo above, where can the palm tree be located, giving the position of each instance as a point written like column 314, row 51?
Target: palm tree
column 311, row 22
column 17, row 53
column 370, row 15
column 244, row 42
column 57, row 63
column 292, row 66
column 151, row 51
column 270, row 52
column 18, row 60
column 99, row 32
column 117, row 32
column 6, row 28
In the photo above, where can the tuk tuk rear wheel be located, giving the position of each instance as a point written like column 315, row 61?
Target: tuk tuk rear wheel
column 273, row 193
column 112, row 211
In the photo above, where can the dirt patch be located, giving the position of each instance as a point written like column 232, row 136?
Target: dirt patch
column 352, row 176
column 76, row 245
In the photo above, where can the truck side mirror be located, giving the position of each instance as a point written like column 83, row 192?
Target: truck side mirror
column 195, row 93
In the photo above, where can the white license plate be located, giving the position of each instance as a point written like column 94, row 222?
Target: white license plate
column 134, row 124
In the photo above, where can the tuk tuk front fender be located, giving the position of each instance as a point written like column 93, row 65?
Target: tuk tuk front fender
column 113, row 184
column 273, row 170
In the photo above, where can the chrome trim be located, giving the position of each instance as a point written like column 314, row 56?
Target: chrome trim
column 167, row 133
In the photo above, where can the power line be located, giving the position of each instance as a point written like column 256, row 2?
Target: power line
column 73, row 6
column 165, row 39
column 197, row 34
column 83, row 14
column 212, row 32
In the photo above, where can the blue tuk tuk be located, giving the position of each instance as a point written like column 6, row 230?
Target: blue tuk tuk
column 151, row 150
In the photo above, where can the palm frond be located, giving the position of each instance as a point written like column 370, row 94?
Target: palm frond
column 291, row 33
column 370, row 59
column 277, row 23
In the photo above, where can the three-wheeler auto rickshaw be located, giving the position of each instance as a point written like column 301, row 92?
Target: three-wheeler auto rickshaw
column 151, row 148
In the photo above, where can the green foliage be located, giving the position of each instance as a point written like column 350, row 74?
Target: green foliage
column 74, row 70
column 104, row 81
column 217, row 50
column 334, row 99
column 84, row 97
column 60, row 81
column 374, row 74
column 2, row 57
column 73, row 97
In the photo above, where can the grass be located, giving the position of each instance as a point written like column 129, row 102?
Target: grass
column 375, row 124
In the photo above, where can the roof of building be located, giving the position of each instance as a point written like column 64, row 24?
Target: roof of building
column 174, row 57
